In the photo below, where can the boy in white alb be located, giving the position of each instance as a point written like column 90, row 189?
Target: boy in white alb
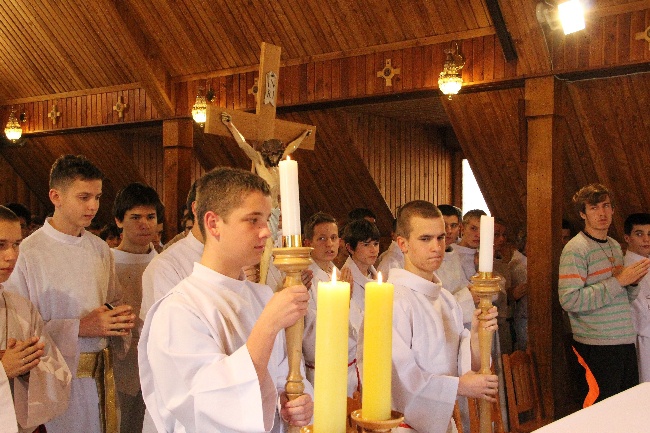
column 637, row 236
column 136, row 211
column 434, row 356
column 216, row 332
column 68, row 274
column 34, row 378
column 322, row 234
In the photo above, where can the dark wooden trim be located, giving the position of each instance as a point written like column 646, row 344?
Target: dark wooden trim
column 503, row 34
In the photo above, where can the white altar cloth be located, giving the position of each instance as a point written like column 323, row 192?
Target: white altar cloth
column 623, row 412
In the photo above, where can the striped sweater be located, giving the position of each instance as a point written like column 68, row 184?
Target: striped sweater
column 598, row 306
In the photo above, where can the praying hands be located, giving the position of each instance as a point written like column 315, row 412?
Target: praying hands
column 21, row 356
column 104, row 322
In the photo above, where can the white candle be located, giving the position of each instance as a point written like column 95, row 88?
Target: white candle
column 486, row 250
column 289, row 197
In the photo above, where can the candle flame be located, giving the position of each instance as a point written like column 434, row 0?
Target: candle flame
column 334, row 275
column 288, row 158
column 379, row 280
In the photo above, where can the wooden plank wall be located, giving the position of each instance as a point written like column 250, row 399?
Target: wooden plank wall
column 356, row 77
column 606, row 41
column 13, row 189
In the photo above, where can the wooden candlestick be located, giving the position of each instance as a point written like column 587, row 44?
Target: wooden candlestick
column 485, row 286
column 371, row 426
column 292, row 259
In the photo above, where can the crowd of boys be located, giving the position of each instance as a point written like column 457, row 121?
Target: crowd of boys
column 124, row 338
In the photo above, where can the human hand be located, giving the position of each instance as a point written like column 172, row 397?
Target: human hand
column 346, row 275
column 21, row 356
column 306, row 276
column 226, row 118
column 103, row 322
column 285, row 308
column 475, row 385
column 633, row 273
column 489, row 321
column 297, row 412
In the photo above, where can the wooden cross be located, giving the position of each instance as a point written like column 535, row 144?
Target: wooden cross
column 120, row 106
column 388, row 73
column 262, row 125
column 54, row 114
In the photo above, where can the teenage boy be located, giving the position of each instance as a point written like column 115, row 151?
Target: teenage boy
column 393, row 256
column 596, row 290
column 68, row 274
column 451, row 272
column 431, row 348
column 322, row 234
column 470, row 240
column 218, row 333
column 136, row 211
column 637, row 236
column 29, row 361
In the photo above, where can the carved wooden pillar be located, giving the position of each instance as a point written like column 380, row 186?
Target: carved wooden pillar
column 544, row 221
column 177, row 170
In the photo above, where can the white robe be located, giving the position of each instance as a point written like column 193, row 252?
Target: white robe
column 641, row 319
column 196, row 372
column 167, row 269
column 431, row 349
column 466, row 257
column 45, row 395
column 66, row 277
column 453, row 277
column 393, row 257
column 309, row 338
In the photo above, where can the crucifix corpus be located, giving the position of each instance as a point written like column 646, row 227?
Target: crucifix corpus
column 272, row 139
column 270, row 133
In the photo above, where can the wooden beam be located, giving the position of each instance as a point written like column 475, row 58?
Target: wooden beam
column 606, row 11
column 144, row 62
column 177, row 170
column 63, row 95
column 508, row 47
column 420, row 42
column 545, row 196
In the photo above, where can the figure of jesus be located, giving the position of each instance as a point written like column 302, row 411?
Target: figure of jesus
column 266, row 160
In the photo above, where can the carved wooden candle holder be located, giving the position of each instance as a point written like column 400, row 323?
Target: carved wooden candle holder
column 373, row 426
column 485, row 285
column 292, row 259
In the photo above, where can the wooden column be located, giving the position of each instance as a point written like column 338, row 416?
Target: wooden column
column 177, row 170
column 545, row 194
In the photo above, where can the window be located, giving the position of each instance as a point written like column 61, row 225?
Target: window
column 472, row 195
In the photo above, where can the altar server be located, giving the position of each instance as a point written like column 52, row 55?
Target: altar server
column 218, row 333
column 434, row 356
column 31, row 364
column 68, row 274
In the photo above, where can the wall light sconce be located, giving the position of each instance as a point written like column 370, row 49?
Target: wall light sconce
column 569, row 15
column 199, row 110
column 450, row 80
column 13, row 130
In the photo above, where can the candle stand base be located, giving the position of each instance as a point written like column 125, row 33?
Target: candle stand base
column 485, row 286
column 372, row 426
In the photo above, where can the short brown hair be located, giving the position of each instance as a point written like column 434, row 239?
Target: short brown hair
column 316, row 219
column 68, row 168
column 591, row 194
column 223, row 189
column 415, row 208
column 474, row 213
column 8, row 215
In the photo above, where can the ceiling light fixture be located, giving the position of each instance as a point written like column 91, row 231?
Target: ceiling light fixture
column 569, row 16
column 450, row 80
column 200, row 107
column 13, row 130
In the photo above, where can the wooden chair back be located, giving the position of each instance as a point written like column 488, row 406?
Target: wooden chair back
column 522, row 390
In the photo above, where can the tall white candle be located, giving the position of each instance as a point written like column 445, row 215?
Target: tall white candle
column 486, row 250
column 289, row 197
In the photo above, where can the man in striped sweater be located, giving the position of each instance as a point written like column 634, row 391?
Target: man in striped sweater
column 596, row 290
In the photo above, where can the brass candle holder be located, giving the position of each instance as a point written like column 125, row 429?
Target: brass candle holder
column 485, row 285
column 292, row 259
column 374, row 426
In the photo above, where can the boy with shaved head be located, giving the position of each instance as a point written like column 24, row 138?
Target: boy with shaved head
column 434, row 356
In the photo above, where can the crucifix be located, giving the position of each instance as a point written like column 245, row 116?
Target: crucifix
column 270, row 133
column 264, row 129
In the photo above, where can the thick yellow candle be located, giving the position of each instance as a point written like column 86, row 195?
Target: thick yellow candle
column 377, row 351
column 331, row 375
